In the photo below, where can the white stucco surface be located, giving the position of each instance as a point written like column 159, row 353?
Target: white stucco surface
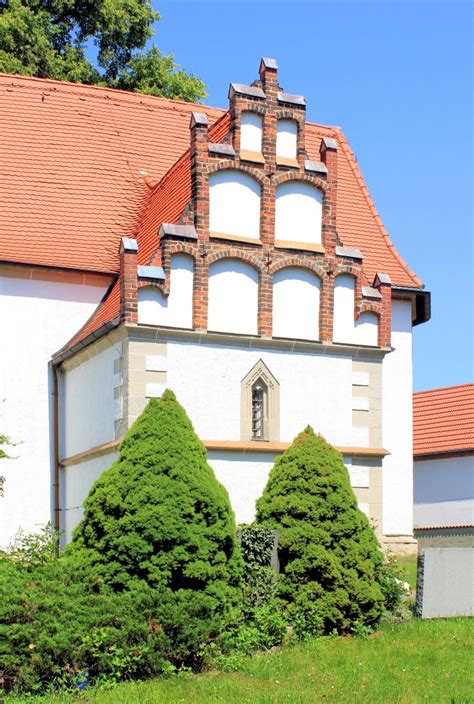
column 76, row 482
column 233, row 297
column 175, row 310
column 296, row 304
column 364, row 330
column 234, row 204
column 298, row 210
column 314, row 389
column 251, row 131
column 443, row 492
column 89, row 407
column 287, row 136
column 397, row 425
column 344, row 302
column 38, row 317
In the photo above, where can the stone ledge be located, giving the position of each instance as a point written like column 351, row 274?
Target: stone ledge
column 235, row 238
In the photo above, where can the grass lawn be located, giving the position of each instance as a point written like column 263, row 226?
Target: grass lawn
column 408, row 566
column 419, row 661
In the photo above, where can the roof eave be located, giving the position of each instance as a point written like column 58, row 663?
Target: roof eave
column 64, row 354
column 421, row 299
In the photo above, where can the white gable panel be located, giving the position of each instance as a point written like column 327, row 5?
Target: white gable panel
column 251, row 131
column 298, row 212
column 287, row 137
column 234, row 203
column 344, row 300
column 233, row 297
column 176, row 310
column 296, row 304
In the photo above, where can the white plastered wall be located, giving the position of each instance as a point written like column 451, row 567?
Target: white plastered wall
column 444, row 492
column 76, row 482
column 287, row 138
column 296, row 304
column 251, row 131
column 38, row 317
column 245, row 478
column 234, row 204
column 397, row 423
column 176, row 310
column 315, row 389
column 298, row 212
column 87, row 402
column 233, row 297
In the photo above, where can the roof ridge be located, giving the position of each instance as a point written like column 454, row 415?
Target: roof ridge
column 467, row 385
column 361, row 181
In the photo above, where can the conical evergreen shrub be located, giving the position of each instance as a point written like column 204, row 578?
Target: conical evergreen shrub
column 330, row 559
column 160, row 516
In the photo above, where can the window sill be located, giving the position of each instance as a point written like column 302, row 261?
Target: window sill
column 287, row 161
column 305, row 246
column 247, row 155
column 235, row 238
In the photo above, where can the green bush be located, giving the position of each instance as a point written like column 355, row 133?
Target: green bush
column 330, row 561
column 159, row 515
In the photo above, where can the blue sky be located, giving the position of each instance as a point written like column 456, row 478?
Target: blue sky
column 397, row 77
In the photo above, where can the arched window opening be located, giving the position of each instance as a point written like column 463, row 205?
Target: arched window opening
column 344, row 302
column 233, row 297
column 251, row 132
column 367, row 329
column 296, row 297
column 298, row 213
column 287, row 139
column 234, row 204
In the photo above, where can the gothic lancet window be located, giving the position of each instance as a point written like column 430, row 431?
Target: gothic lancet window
column 258, row 410
column 260, row 405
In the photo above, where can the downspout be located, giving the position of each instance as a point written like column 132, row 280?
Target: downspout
column 56, row 448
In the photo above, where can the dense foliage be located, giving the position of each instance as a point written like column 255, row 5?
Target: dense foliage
column 331, row 564
column 159, row 515
column 50, row 38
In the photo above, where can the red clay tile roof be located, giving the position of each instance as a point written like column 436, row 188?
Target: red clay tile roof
column 443, row 420
column 79, row 165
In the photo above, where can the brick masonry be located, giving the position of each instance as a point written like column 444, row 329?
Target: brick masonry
column 264, row 255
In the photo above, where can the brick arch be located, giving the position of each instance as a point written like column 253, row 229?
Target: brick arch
column 183, row 248
column 368, row 307
column 285, row 114
column 300, row 263
column 259, row 109
column 163, row 288
column 230, row 165
column 348, row 269
column 285, row 176
column 238, row 256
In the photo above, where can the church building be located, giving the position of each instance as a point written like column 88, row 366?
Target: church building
column 234, row 256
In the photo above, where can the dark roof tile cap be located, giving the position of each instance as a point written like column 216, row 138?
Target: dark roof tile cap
column 251, row 91
column 226, row 149
column 369, row 292
column 350, row 252
column 187, row 231
column 293, row 99
column 199, row 119
column 381, row 278
column 316, row 166
column 328, row 143
column 128, row 244
column 269, row 63
column 151, row 272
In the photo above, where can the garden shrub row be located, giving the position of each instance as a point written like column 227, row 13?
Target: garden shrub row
column 157, row 578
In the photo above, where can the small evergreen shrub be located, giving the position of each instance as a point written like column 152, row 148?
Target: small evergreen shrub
column 259, row 579
column 330, row 561
column 159, row 516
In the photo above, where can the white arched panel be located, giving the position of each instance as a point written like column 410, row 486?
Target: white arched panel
column 296, row 304
column 234, row 203
column 287, row 138
column 233, row 297
column 367, row 329
column 176, row 310
column 344, row 301
column 298, row 212
column 251, row 132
